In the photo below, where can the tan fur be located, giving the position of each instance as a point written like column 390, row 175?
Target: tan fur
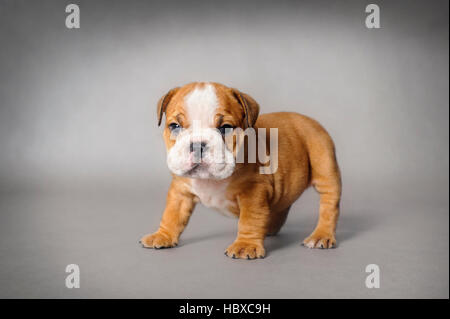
column 306, row 156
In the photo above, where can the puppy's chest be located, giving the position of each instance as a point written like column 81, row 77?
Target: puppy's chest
column 212, row 194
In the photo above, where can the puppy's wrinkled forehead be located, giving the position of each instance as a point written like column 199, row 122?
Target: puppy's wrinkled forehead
column 206, row 104
column 201, row 105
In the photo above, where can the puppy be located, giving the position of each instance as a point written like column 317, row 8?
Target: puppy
column 200, row 117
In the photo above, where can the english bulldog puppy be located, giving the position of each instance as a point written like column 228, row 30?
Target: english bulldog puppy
column 208, row 127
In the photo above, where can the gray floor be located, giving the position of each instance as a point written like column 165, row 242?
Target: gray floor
column 99, row 228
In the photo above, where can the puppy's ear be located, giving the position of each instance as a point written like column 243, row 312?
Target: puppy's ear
column 163, row 102
column 250, row 106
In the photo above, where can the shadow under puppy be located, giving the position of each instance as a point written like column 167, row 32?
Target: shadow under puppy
column 200, row 118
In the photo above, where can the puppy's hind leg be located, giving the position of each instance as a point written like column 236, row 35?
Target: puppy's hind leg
column 326, row 179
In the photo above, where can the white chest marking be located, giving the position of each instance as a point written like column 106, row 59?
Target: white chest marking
column 212, row 194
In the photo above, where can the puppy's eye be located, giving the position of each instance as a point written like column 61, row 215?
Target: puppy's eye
column 174, row 127
column 225, row 129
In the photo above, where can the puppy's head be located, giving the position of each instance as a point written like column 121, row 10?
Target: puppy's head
column 200, row 119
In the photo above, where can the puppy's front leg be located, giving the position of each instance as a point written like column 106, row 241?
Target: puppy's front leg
column 252, row 227
column 179, row 206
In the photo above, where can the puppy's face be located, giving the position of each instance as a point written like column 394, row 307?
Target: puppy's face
column 201, row 119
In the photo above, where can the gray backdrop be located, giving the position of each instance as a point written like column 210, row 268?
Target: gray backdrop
column 82, row 161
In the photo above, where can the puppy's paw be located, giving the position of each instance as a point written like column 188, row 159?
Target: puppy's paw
column 320, row 239
column 245, row 250
column 158, row 240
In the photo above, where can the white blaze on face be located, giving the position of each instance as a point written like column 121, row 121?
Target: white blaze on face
column 217, row 162
column 201, row 105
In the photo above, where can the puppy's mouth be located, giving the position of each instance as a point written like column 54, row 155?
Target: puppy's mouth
column 193, row 169
column 196, row 168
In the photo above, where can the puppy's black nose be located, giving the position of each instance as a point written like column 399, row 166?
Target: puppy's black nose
column 198, row 148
